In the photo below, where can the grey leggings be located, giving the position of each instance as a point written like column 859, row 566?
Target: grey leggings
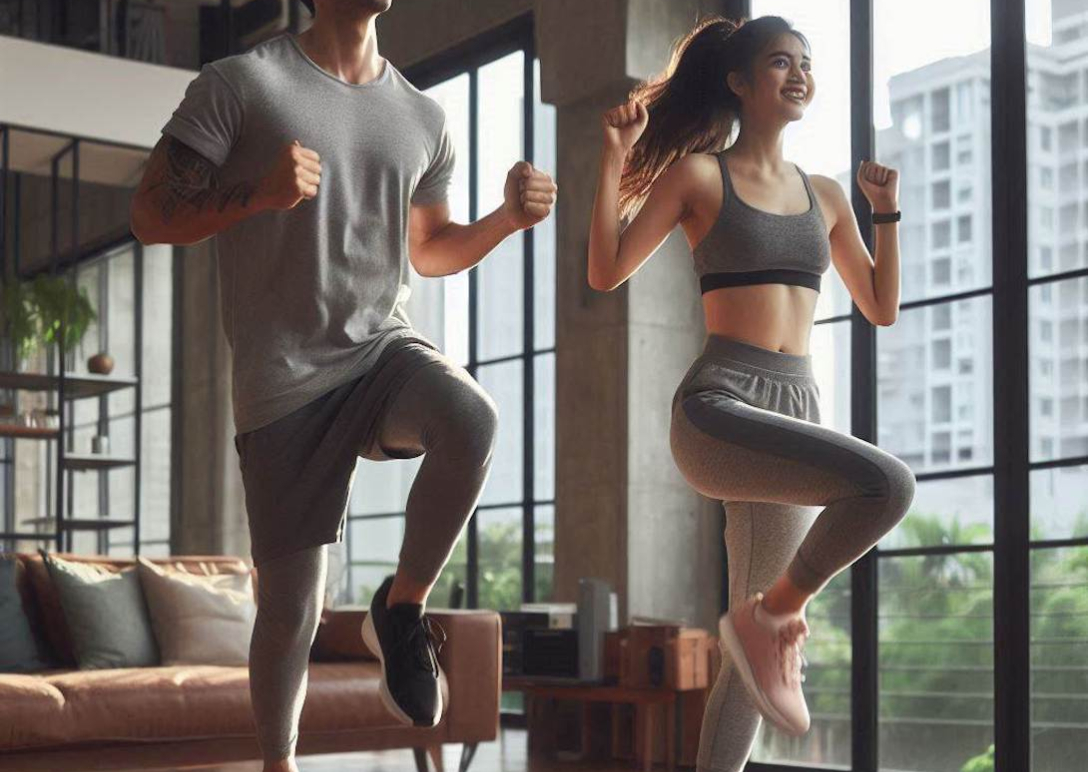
column 745, row 431
column 440, row 412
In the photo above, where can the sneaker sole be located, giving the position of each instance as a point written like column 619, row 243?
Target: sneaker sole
column 370, row 638
column 736, row 651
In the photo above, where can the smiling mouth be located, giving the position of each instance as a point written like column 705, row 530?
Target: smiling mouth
column 794, row 96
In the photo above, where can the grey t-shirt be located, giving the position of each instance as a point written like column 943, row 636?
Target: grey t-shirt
column 311, row 295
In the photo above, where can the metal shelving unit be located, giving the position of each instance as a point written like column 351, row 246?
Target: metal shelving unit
column 63, row 390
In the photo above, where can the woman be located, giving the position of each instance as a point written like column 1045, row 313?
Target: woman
column 745, row 418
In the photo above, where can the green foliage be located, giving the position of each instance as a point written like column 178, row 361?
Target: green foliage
column 44, row 310
column 981, row 763
column 937, row 651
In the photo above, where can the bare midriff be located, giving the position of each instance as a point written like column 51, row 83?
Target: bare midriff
column 773, row 316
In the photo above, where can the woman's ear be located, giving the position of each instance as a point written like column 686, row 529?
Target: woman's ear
column 735, row 82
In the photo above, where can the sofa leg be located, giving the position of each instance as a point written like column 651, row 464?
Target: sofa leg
column 467, row 752
column 421, row 759
column 435, row 752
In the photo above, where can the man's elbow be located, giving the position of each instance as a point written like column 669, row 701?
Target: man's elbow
column 142, row 226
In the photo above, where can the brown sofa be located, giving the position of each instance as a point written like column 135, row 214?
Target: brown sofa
column 143, row 718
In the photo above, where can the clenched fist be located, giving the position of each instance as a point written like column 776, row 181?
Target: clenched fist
column 880, row 184
column 528, row 195
column 295, row 175
column 623, row 125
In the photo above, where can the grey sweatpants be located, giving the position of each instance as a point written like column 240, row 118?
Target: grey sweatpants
column 436, row 410
column 745, row 431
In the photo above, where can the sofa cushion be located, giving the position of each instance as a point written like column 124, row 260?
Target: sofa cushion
column 184, row 702
column 19, row 649
column 47, row 608
column 106, row 615
column 199, row 620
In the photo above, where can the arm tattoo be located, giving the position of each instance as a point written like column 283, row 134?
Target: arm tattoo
column 189, row 178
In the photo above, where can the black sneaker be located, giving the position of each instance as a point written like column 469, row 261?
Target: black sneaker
column 403, row 639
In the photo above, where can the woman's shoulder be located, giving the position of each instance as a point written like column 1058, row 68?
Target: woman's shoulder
column 694, row 171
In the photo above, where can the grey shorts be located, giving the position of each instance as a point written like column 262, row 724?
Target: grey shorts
column 298, row 470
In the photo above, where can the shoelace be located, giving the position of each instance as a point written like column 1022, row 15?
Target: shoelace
column 791, row 642
column 425, row 638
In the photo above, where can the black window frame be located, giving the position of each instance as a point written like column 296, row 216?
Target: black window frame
column 1012, row 546
column 466, row 59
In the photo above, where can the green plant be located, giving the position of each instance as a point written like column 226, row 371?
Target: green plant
column 46, row 309
column 981, row 763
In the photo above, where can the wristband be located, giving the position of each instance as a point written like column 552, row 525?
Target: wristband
column 884, row 217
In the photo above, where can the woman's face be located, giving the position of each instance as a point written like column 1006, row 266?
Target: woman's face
column 782, row 85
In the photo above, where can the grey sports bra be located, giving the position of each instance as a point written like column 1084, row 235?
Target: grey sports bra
column 746, row 245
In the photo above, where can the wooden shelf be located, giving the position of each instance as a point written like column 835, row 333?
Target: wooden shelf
column 80, row 462
column 79, row 524
column 75, row 386
column 27, row 432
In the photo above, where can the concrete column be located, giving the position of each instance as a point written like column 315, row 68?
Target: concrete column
column 211, row 515
column 623, row 512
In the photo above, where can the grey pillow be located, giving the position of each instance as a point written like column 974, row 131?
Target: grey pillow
column 106, row 615
column 19, row 650
column 199, row 620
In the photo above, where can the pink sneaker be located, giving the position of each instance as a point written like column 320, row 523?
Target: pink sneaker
column 766, row 650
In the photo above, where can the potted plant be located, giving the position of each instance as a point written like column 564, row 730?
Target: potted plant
column 45, row 310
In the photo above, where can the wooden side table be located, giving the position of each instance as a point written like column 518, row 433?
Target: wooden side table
column 647, row 703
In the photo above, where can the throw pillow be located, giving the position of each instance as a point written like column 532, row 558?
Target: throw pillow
column 19, row 649
column 106, row 615
column 199, row 620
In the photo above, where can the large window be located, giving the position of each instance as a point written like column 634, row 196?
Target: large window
column 498, row 321
column 937, row 614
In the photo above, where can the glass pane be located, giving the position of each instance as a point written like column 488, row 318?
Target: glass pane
column 450, row 591
column 500, row 304
column 499, row 532
column 830, row 348
column 1057, row 178
column 500, row 310
column 120, row 333
column 374, row 546
column 1058, row 355
column 820, row 143
column 455, row 304
column 504, row 383
column 544, row 552
column 450, row 331
column 1059, row 658
column 544, row 233
column 452, row 94
column 119, row 542
column 153, row 550
column 1059, row 503
column 932, row 103
column 544, row 427
column 158, row 332
column 827, row 687
column 945, row 512
column 935, row 384
column 155, row 476
column 936, row 661
column 382, row 487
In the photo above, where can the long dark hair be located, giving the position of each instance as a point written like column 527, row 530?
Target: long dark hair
column 691, row 107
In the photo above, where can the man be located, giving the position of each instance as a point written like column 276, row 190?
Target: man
column 323, row 172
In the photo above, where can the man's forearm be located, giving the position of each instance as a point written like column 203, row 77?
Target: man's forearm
column 458, row 247
column 181, row 200
column 161, row 216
